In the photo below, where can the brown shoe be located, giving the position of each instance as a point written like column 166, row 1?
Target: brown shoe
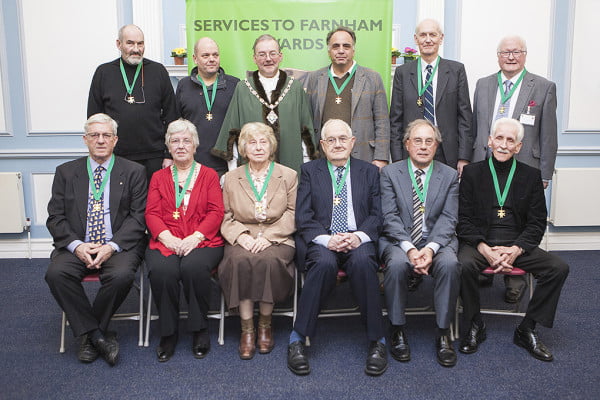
column 265, row 340
column 247, row 346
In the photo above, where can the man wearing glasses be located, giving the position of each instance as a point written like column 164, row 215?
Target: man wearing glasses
column 338, row 221
column 136, row 92
column 419, row 198
column 516, row 93
column 355, row 94
column 96, row 219
column 274, row 97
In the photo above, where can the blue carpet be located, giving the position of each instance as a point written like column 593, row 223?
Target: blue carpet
column 32, row 368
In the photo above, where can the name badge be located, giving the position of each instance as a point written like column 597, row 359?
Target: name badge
column 527, row 119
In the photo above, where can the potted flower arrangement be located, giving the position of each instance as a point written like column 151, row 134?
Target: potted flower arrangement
column 395, row 54
column 178, row 55
column 409, row 54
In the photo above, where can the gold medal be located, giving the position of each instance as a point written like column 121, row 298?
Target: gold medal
column 419, row 101
column 130, row 99
column 336, row 201
column 209, row 116
column 422, row 209
column 97, row 207
column 258, row 207
column 176, row 215
column 338, row 100
column 501, row 110
column 501, row 213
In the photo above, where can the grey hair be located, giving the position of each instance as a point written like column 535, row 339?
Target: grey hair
column 262, row 38
column 182, row 125
column 422, row 122
column 517, row 37
column 122, row 29
column 513, row 123
column 251, row 130
column 335, row 122
column 101, row 119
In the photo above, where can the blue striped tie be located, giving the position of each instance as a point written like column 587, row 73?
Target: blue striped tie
column 429, row 112
column 339, row 222
column 95, row 215
column 416, row 233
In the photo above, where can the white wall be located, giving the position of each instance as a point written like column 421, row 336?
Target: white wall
column 63, row 43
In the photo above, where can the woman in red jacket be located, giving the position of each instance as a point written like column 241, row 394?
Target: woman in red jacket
column 183, row 213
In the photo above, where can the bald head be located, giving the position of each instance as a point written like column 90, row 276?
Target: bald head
column 207, row 58
column 429, row 24
column 130, row 29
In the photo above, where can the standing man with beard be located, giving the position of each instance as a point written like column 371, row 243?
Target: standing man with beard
column 137, row 93
column 203, row 98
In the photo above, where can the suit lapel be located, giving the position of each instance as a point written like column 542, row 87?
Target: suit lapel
column 524, row 95
column 322, row 82
column 407, row 190
column 116, row 190
column 432, row 189
column 81, row 190
column 492, row 91
column 245, row 185
column 357, row 89
column 274, row 183
column 413, row 77
column 325, row 185
column 442, row 80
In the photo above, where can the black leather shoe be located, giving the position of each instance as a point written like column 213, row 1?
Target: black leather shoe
column 528, row 339
column 296, row 360
column 166, row 347
column 377, row 359
column 446, row 355
column 473, row 338
column 512, row 295
column 201, row 343
column 87, row 352
column 399, row 346
column 414, row 281
column 108, row 348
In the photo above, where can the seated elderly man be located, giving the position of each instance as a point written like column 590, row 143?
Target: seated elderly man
column 338, row 220
column 419, row 198
column 501, row 221
column 96, row 219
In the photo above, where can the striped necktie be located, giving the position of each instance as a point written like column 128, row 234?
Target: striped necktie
column 429, row 111
column 339, row 221
column 95, row 214
column 416, row 233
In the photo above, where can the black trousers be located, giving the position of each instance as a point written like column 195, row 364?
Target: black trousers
column 64, row 276
column 193, row 271
column 322, row 265
column 548, row 270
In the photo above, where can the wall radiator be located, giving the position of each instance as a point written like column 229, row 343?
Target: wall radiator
column 12, row 205
column 576, row 197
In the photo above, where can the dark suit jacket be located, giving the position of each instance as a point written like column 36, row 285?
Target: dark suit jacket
column 540, row 141
column 441, row 205
column 477, row 195
column 67, row 209
column 452, row 109
column 314, row 203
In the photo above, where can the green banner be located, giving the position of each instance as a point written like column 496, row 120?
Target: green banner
column 300, row 26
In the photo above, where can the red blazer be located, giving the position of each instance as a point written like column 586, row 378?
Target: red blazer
column 204, row 212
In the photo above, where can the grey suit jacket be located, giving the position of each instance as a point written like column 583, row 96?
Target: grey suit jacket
column 452, row 109
column 441, row 205
column 540, row 141
column 370, row 121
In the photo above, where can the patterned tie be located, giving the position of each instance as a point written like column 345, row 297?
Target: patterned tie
column 429, row 111
column 503, row 108
column 95, row 215
column 416, row 233
column 339, row 222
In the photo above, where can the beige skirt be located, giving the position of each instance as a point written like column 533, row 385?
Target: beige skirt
column 267, row 276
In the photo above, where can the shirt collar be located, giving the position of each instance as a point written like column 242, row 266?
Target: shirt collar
column 344, row 74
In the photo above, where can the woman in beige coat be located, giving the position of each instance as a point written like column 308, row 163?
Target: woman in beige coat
column 259, row 199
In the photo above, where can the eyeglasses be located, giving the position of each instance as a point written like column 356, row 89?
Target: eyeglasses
column 96, row 136
column 515, row 53
column 332, row 141
column 263, row 55
column 176, row 142
column 420, row 142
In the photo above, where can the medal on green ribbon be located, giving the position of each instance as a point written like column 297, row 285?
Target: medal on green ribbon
column 505, row 96
column 339, row 90
column 338, row 186
column 129, row 98
column 209, row 103
column 97, row 193
column 421, row 194
column 180, row 193
column 259, row 196
column 501, row 197
column 421, row 89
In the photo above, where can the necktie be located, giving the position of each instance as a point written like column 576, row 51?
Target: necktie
column 503, row 107
column 429, row 112
column 95, row 215
column 339, row 222
column 416, row 233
